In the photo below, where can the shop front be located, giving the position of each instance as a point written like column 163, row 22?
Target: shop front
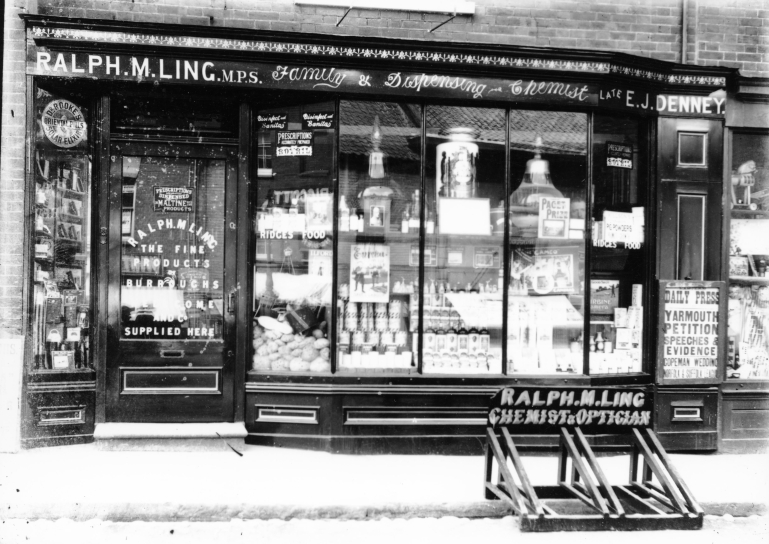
column 352, row 245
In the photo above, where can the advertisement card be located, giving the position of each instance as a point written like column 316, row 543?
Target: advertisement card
column 320, row 262
column 319, row 211
column 553, row 218
column 604, row 296
column 544, row 271
column 369, row 273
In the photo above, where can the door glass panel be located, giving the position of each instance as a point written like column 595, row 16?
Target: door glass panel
column 172, row 265
column 691, row 237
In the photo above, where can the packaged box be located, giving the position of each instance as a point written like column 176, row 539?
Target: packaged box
column 620, row 317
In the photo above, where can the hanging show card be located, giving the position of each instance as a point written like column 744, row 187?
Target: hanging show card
column 553, row 218
column 369, row 273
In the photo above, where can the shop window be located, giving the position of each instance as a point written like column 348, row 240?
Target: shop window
column 545, row 313
column 748, row 317
column 692, row 149
column 617, row 272
column 379, row 229
column 294, row 231
column 61, row 327
column 464, row 240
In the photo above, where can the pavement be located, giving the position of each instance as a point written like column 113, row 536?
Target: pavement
column 83, row 483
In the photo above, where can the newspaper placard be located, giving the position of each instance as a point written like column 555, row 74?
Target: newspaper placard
column 369, row 273
column 690, row 330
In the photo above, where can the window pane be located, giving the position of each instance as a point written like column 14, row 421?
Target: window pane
column 62, row 241
column 617, row 279
column 464, row 242
column 748, row 324
column 691, row 149
column 547, row 242
column 294, row 246
column 378, row 269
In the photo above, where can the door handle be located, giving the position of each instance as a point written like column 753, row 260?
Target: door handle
column 231, row 303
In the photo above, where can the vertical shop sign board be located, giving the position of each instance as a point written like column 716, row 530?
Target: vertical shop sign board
column 595, row 410
column 569, row 412
column 692, row 318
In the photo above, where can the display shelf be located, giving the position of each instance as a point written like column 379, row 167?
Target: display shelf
column 749, row 280
column 69, row 193
column 69, row 218
column 747, row 214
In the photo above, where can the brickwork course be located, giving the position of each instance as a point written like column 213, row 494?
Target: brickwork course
column 732, row 33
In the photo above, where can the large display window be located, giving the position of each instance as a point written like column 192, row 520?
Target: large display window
column 61, row 326
column 748, row 317
column 444, row 216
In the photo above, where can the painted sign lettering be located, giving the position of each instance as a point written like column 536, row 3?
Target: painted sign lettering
column 270, row 121
column 45, row 62
column 542, row 410
column 317, row 120
column 698, row 105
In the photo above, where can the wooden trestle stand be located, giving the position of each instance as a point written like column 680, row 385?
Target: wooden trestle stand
column 655, row 497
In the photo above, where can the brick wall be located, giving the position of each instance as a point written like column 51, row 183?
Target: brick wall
column 12, row 169
column 732, row 33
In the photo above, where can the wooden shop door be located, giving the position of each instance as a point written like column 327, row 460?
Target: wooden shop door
column 171, row 322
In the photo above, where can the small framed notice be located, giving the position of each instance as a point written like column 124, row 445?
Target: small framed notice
column 62, row 360
column 486, row 257
column 455, row 256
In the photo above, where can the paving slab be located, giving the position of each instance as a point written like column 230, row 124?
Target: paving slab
column 82, row 482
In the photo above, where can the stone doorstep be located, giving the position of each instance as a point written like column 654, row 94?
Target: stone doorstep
column 169, row 436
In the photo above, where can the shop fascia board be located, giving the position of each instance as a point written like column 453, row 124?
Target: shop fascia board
column 341, row 50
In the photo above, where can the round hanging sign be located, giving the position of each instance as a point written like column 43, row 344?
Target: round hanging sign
column 63, row 123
